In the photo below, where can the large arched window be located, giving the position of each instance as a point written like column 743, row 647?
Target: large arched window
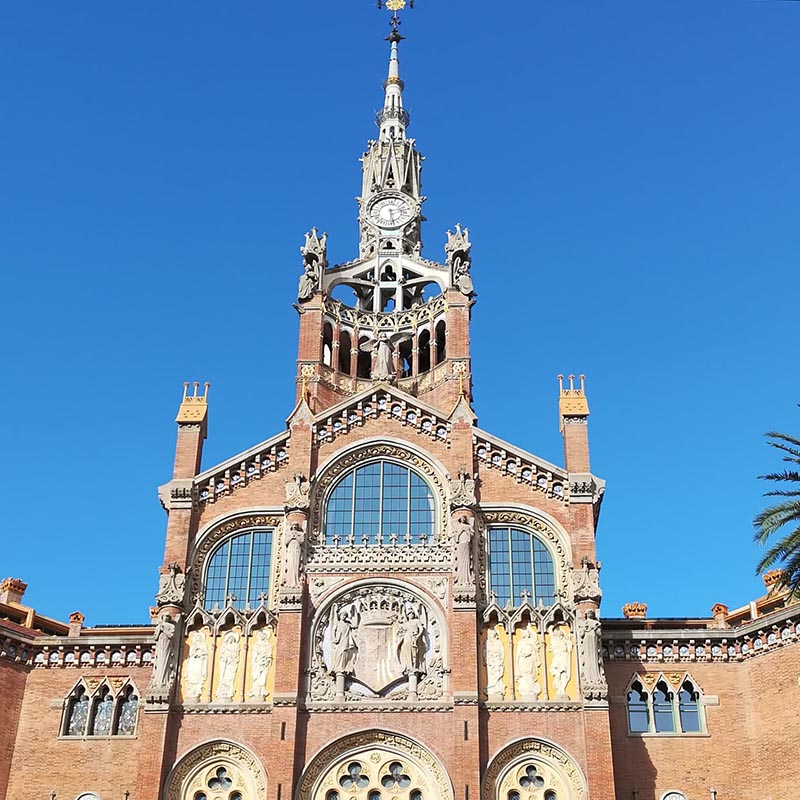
column 238, row 570
column 520, row 567
column 380, row 503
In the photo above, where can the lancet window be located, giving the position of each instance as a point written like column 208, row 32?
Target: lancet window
column 380, row 503
column 238, row 570
column 103, row 712
column 520, row 567
column 664, row 709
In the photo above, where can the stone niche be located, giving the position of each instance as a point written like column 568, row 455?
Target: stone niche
column 378, row 641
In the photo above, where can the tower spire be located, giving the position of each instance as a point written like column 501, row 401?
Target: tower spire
column 393, row 119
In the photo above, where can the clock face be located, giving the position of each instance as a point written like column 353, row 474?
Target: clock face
column 390, row 212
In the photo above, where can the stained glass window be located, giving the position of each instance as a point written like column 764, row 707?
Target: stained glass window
column 239, row 568
column 128, row 708
column 379, row 503
column 78, row 713
column 520, row 563
column 103, row 712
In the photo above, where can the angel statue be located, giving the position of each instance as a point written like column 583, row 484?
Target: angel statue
column 344, row 649
column 411, row 651
column 384, row 346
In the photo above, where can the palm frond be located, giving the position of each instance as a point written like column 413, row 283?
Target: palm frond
column 784, row 550
column 783, row 493
column 775, row 517
column 782, row 437
column 786, row 475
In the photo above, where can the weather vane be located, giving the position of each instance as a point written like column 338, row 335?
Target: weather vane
column 394, row 6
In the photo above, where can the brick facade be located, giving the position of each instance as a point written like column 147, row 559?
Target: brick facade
column 457, row 712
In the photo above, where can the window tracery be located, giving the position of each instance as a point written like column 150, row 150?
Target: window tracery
column 664, row 704
column 238, row 570
column 380, row 502
column 109, row 708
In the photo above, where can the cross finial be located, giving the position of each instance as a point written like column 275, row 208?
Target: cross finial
column 394, row 6
column 231, row 599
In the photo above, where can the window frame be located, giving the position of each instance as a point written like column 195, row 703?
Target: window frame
column 227, row 541
column 674, row 694
column 532, row 535
column 94, row 698
column 381, row 538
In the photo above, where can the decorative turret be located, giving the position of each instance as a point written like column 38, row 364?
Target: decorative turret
column 408, row 320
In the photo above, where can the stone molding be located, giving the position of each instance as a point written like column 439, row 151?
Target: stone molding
column 205, row 755
column 399, row 743
column 517, row 753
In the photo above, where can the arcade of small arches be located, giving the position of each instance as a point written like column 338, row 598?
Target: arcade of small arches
column 104, row 709
column 346, row 351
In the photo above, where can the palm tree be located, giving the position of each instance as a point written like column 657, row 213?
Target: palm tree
column 784, row 550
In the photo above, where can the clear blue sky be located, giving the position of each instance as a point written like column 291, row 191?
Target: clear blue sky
column 629, row 172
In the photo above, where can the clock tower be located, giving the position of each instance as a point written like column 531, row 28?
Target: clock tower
column 388, row 315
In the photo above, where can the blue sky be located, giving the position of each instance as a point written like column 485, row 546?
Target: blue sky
column 629, row 172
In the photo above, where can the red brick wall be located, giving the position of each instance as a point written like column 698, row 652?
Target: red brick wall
column 752, row 740
column 12, row 690
column 43, row 762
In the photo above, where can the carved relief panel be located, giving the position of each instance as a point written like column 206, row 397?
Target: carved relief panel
column 377, row 641
column 528, row 658
column 228, row 657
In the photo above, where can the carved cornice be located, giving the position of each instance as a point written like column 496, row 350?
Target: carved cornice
column 521, row 467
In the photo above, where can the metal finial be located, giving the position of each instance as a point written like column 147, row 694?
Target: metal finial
column 395, row 6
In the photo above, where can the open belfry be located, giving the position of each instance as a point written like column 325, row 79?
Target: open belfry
column 383, row 601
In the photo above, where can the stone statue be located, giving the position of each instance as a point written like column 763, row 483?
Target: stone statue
column 462, row 490
column 171, row 585
column 343, row 641
column 309, row 281
column 591, row 658
column 560, row 668
column 384, row 346
column 228, row 665
column 412, row 644
column 527, row 664
column 292, row 556
column 462, row 533
column 260, row 661
column 457, row 248
column 586, row 582
column 495, row 660
column 298, row 492
column 195, row 669
column 315, row 259
column 164, row 662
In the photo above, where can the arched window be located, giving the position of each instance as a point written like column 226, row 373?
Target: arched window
column 102, row 713
column 77, row 712
column 688, row 708
column 327, row 344
column 441, row 341
column 664, row 711
column 364, row 363
column 128, row 712
column 238, row 569
column 424, row 347
column 345, row 345
column 520, row 565
column 662, row 708
column 638, row 713
column 380, row 503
